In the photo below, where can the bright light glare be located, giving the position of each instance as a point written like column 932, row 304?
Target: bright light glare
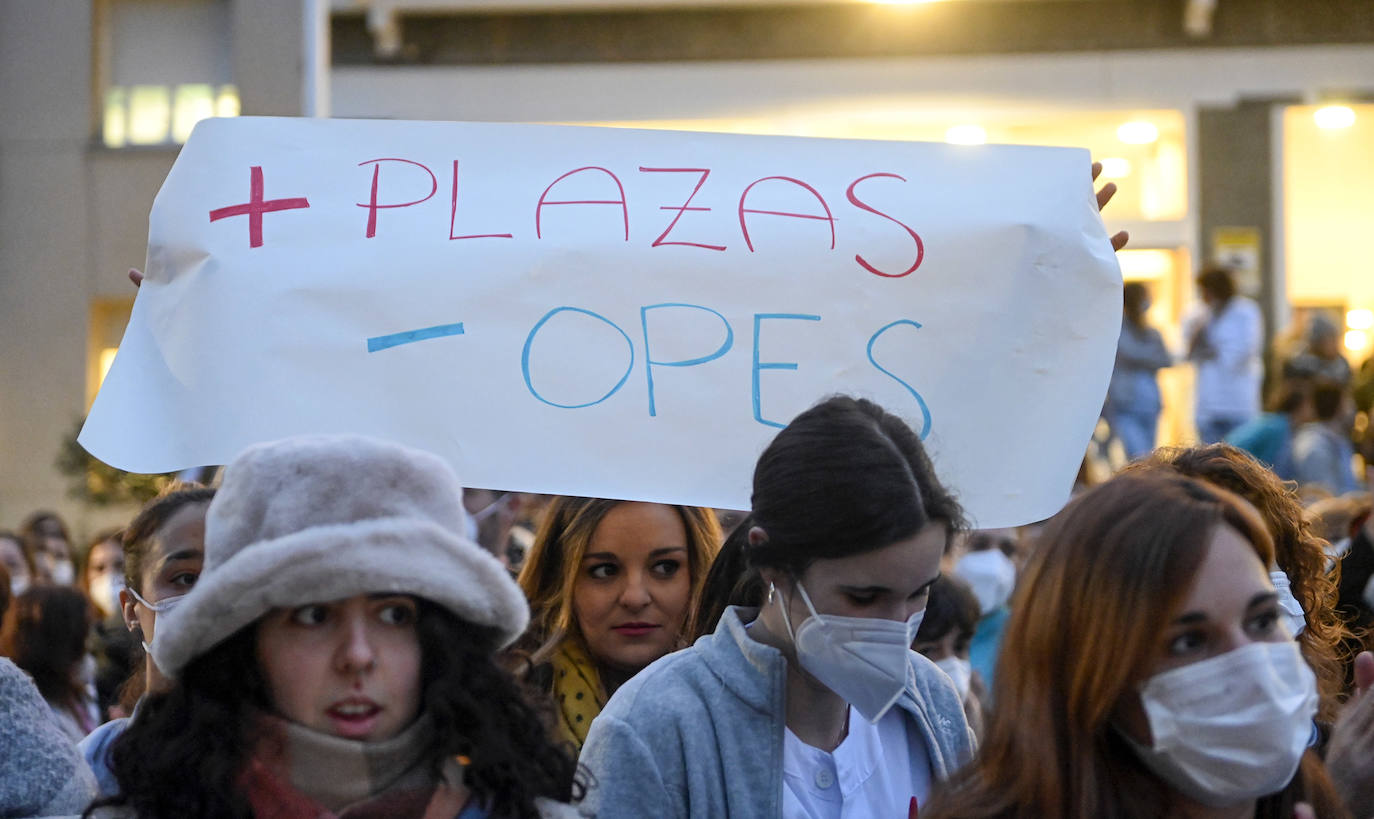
column 1137, row 132
column 1355, row 340
column 107, row 357
column 966, row 135
column 1145, row 264
column 1359, row 319
column 1114, row 167
column 1334, row 116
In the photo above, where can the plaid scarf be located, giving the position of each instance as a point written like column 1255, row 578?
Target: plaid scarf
column 298, row 773
column 577, row 690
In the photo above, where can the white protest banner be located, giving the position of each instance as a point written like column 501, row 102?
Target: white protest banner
column 618, row 313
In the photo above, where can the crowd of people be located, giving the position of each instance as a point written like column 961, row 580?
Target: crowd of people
column 332, row 631
column 336, row 627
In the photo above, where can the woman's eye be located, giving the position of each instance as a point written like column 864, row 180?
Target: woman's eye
column 862, row 599
column 1265, row 622
column 602, row 571
column 667, row 568
column 309, row 615
column 397, row 614
column 187, row 579
column 1187, row 643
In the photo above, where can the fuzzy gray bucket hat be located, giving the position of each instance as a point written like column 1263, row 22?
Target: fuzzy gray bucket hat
column 320, row 518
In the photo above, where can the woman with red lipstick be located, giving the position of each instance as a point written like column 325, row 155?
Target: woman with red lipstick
column 610, row 584
column 336, row 657
column 810, row 703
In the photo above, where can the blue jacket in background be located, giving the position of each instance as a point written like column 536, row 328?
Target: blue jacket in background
column 699, row 733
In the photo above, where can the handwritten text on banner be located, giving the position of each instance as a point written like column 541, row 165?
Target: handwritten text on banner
column 613, row 312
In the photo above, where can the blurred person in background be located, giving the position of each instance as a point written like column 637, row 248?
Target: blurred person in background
column 162, row 554
column 1150, row 671
column 1269, row 437
column 1322, row 450
column 944, row 637
column 1320, row 357
column 1306, row 588
column 991, row 575
column 102, row 573
column 49, row 546
column 17, row 562
column 1133, row 403
column 611, row 586
column 1332, row 520
column 113, row 647
column 491, row 516
column 44, row 632
column 1225, row 338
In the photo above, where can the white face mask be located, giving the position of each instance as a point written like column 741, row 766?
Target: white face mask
column 960, row 671
column 63, row 573
column 162, row 606
column 1230, row 728
column 19, row 585
column 1293, row 614
column 105, row 592
column 865, row 660
column 991, row 575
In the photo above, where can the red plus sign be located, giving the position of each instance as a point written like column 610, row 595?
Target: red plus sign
column 255, row 207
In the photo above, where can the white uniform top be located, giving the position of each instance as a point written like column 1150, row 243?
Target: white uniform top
column 868, row 775
column 1228, row 384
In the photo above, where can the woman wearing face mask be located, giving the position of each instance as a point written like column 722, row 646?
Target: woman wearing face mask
column 611, row 585
column 102, row 574
column 16, row 561
column 162, row 553
column 50, row 548
column 814, row 704
column 991, row 576
column 337, row 655
column 1307, row 591
column 102, row 578
column 1149, row 671
column 945, row 636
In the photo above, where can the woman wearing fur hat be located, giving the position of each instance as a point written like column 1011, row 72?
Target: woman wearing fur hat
column 336, row 656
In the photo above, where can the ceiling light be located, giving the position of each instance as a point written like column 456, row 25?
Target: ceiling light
column 1334, row 116
column 1355, row 340
column 966, row 135
column 1137, row 132
column 1359, row 319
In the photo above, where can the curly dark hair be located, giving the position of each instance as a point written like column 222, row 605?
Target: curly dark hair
column 202, row 732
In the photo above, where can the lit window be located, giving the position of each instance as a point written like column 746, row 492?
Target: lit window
column 161, row 114
column 190, row 104
column 150, row 114
column 116, row 104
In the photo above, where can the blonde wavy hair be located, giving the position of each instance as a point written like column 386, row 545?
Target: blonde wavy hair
column 551, row 568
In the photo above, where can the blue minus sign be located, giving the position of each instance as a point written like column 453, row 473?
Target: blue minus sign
column 424, row 333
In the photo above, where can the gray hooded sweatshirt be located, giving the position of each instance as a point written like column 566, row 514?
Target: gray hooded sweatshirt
column 699, row 733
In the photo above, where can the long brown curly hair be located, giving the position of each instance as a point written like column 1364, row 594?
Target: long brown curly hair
column 1298, row 551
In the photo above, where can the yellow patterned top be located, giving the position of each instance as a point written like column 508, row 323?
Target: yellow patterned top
column 577, row 690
